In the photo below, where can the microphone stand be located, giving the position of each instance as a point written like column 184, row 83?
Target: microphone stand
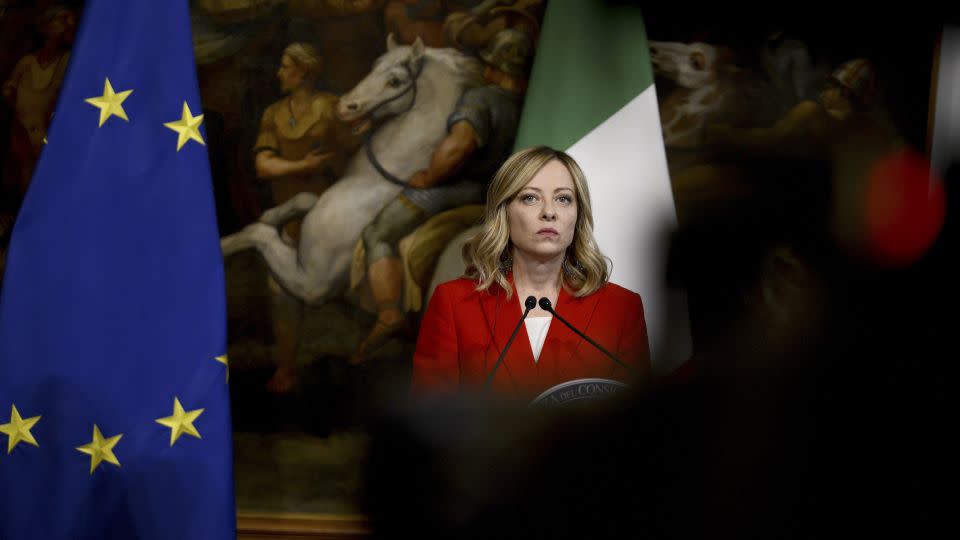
column 529, row 303
column 546, row 306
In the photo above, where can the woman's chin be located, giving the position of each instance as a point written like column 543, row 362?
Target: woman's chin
column 543, row 256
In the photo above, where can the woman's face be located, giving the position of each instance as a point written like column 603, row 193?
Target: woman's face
column 543, row 215
column 290, row 75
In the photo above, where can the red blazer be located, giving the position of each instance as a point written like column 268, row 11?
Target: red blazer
column 463, row 332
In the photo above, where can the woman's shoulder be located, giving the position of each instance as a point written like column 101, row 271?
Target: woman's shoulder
column 463, row 291
column 611, row 291
column 458, row 288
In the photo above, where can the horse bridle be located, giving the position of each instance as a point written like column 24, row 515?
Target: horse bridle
column 412, row 87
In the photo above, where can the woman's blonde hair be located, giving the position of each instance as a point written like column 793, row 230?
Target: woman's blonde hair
column 488, row 254
column 307, row 58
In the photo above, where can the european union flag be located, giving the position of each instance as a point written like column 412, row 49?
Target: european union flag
column 114, row 405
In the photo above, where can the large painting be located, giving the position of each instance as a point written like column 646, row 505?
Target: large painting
column 350, row 143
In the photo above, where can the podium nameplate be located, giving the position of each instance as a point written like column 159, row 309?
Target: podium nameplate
column 578, row 391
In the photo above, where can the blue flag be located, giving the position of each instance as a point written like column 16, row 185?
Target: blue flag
column 114, row 404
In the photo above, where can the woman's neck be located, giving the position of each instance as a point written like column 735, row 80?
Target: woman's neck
column 533, row 277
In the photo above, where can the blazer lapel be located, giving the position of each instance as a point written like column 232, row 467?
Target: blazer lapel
column 502, row 315
column 561, row 348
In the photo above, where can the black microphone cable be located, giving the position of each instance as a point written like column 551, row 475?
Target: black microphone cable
column 547, row 306
column 529, row 303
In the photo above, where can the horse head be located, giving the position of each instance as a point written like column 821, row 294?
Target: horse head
column 690, row 65
column 391, row 86
column 404, row 71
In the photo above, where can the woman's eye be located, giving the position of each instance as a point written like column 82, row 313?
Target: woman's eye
column 394, row 82
column 564, row 199
column 528, row 199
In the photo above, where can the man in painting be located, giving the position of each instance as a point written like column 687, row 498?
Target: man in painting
column 301, row 147
column 471, row 29
column 844, row 126
column 480, row 135
column 811, row 127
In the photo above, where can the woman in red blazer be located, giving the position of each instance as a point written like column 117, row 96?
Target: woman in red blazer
column 536, row 240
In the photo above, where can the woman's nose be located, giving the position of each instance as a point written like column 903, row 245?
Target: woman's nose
column 548, row 212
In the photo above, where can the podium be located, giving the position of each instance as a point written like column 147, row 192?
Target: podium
column 579, row 391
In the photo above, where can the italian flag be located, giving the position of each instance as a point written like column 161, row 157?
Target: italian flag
column 591, row 94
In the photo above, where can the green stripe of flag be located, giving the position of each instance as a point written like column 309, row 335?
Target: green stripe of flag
column 592, row 59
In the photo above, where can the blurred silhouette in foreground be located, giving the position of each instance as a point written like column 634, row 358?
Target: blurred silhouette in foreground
column 815, row 403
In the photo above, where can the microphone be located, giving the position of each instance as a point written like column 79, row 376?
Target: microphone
column 529, row 303
column 547, row 306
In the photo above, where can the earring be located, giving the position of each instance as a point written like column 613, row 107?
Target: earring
column 571, row 265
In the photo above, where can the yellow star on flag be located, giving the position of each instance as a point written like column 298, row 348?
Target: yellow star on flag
column 226, row 362
column 187, row 127
column 100, row 449
column 18, row 430
column 110, row 103
column 181, row 422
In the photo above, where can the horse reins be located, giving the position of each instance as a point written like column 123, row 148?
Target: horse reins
column 414, row 76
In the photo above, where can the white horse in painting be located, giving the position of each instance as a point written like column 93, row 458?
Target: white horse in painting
column 409, row 93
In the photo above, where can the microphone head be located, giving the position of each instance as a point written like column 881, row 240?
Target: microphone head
column 545, row 304
column 530, row 302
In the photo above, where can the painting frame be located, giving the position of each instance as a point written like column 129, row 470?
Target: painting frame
column 281, row 525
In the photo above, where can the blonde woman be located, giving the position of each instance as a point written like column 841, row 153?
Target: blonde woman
column 536, row 240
